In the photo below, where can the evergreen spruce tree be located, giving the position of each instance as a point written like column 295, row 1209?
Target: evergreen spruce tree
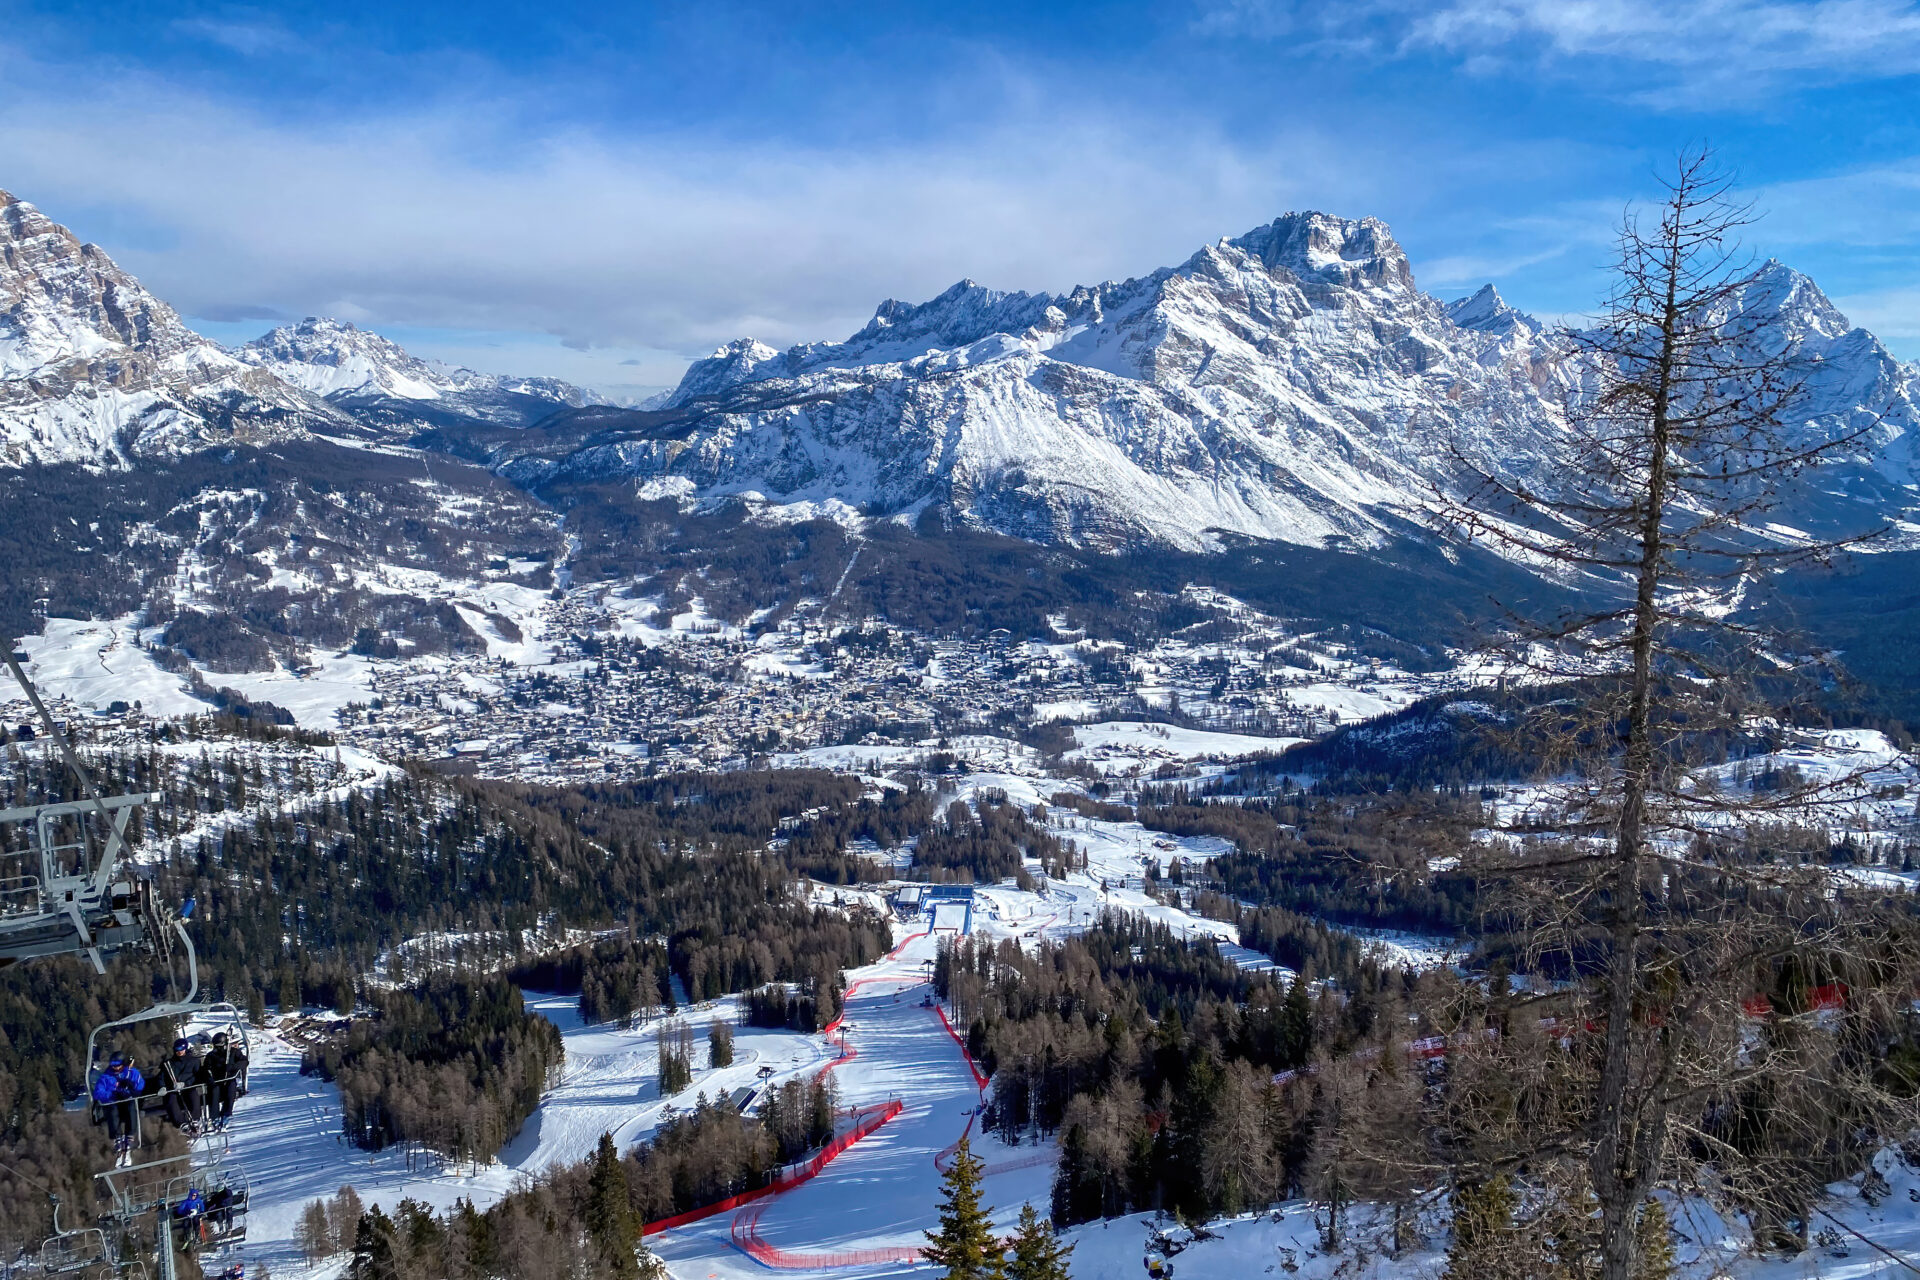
column 1037, row 1253
column 1483, row 1232
column 1653, row 1251
column 373, row 1251
column 965, row 1243
column 609, row 1212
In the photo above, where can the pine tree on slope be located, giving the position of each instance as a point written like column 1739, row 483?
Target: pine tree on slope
column 1653, row 1253
column 965, row 1244
column 1037, row 1252
column 609, row 1213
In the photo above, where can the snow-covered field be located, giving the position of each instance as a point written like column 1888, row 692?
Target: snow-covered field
column 1126, row 747
column 286, row 1132
column 98, row 663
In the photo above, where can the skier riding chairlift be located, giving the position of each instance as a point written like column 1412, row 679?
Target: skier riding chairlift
column 222, row 1075
column 188, row 1216
column 178, row 1081
column 116, row 1092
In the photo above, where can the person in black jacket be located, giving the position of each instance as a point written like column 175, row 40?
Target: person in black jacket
column 178, row 1078
column 221, row 1072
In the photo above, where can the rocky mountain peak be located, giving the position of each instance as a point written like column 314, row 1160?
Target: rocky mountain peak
column 353, row 367
column 1288, row 384
column 1318, row 246
column 1487, row 312
column 93, row 368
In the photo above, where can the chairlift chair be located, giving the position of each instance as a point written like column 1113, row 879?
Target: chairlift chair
column 76, row 1251
column 67, row 892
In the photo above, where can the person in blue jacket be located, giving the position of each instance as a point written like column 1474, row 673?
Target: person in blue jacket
column 187, row 1216
column 117, row 1090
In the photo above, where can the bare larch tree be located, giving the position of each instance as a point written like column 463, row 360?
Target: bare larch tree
column 1686, row 425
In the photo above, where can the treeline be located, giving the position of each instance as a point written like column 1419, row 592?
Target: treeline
column 583, row 1221
column 617, row 980
column 1149, row 1059
column 1362, row 860
column 575, row 1223
column 713, row 1151
column 456, row 1066
column 799, row 1008
column 987, row 843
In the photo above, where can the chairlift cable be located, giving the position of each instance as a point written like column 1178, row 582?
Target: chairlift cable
column 59, row 738
column 34, row 1181
column 1868, row 1240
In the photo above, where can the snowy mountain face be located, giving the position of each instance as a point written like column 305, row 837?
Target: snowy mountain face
column 1292, row 384
column 95, row 369
column 362, row 372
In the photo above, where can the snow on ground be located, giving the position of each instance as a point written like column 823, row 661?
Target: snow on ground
column 1410, row 950
column 1285, row 1242
column 1860, row 787
column 1350, row 703
column 882, row 1192
column 286, row 1132
column 1870, row 788
column 95, row 664
column 312, row 696
column 1129, row 747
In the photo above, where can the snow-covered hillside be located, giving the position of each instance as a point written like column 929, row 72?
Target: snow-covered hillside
column 95, row 369
column 1292, row 384
column 355, row 369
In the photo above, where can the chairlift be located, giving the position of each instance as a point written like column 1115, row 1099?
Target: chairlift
column 159, row 1186
column 58, row 896
column 71, row 890
column 199, row 1022
column 76, row 1251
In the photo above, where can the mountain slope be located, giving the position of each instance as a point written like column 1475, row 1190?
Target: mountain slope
column 1292, row 384
column 95, row 369
column 376, row 380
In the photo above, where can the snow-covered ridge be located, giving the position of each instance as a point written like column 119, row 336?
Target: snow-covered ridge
column 1290, row 384
column 95, row 369
column 342, row 363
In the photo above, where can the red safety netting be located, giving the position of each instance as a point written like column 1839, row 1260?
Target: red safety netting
column 943, row 1159
column 870, row 1118
column 746, row 1235
column 978, row 1078
column 745, row 1230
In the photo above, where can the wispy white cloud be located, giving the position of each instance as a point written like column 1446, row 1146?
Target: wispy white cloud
column 1686, row 52
column 248, row 33
column 453, row 217
column 1874, row 206
column 1891, row 314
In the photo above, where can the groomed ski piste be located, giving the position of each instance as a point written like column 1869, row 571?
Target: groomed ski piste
column 864, row 1214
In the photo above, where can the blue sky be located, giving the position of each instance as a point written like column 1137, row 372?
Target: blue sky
column 602, row 191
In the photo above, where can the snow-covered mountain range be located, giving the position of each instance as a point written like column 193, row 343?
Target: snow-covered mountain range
column 359, row 371
column 93, row 368
column 1290, row 384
